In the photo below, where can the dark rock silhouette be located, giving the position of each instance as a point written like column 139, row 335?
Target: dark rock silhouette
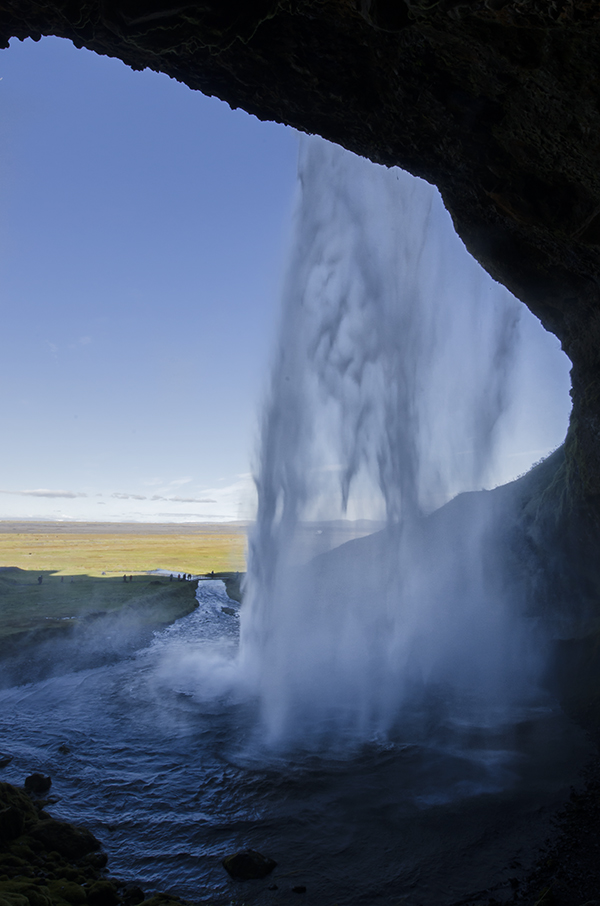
column 37, row 784
column 248, row 865
column 58, row 836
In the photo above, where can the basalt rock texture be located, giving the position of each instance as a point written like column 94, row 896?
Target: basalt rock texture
column 495, row 101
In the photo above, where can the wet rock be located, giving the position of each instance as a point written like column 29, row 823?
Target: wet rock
column 133, row 895
column 41, row 804
column 229, row 611
column 5, row 759
column 67, row 840
column 299, row 888
column 164, row 899
column 247, row 865
column 37, row 784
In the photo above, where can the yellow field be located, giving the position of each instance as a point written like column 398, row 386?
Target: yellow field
column 97, row 551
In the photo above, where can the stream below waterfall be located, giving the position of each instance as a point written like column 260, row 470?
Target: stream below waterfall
column 168, row 773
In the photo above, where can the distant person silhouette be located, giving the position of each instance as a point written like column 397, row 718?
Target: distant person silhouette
column 40, row 580
column 124, row 578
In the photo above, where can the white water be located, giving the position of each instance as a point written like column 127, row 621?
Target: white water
column 391, row 390
column 159, row 764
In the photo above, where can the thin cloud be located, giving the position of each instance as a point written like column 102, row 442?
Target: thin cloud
column 201, row 517
column 80, row 341
column 119, row 496
column 190, row 500
column 45, row 492
column 183, row 499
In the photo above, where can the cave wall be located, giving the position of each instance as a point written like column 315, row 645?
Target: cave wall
column 497, row 102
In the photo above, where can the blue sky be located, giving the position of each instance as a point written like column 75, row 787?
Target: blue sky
column 143, row 229
column 143, row 236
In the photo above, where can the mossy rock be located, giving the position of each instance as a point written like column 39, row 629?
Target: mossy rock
column 13, row 899
column 9, row 860
column 65, row 839
column 75, row 875
column 33, row 894
column 102, row 893
column 22, row 850
column 11, row 797
column 96, row 861
column 65, row 855
column 67, row 890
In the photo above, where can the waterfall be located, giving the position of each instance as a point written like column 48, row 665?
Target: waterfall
column 392, row 379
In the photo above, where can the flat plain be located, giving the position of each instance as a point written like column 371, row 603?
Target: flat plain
column 113, row 549
column 81, row 568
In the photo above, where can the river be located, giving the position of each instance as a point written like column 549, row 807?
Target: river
column 168, row 772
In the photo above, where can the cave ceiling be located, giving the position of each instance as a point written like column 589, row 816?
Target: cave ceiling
column 497, row 102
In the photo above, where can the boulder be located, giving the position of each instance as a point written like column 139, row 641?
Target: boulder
column 11, row 796
column 65, row 839
column 132, row 895
column 96, row 860
column 71, row 893
column 247, row 865
column 37, row 784
column 103, row 893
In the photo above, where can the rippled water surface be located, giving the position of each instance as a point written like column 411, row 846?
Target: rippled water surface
column 170, row 775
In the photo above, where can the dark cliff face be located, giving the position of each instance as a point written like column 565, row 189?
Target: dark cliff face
column 495, row 101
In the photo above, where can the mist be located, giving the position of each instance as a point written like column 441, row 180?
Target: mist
column 403, row 377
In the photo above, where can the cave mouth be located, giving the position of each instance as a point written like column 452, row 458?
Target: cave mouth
column 376, row 758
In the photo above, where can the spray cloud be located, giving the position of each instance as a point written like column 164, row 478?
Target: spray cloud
column 390, row 386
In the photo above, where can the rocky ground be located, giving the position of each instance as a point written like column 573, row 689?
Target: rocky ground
column 45, row 862
column 568, row 872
